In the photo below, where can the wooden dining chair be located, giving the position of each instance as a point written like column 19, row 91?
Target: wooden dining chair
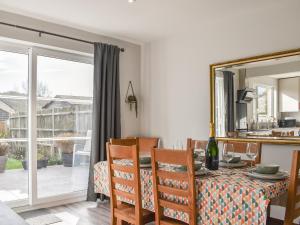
column 160, row 190
column 283, row 133
column 292, row 209
column 241, row 147
column 199, row 144
column 122, row 213
column 146, row 144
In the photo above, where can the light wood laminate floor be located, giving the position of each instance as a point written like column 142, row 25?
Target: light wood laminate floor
column 87, row 213
column 81, row 213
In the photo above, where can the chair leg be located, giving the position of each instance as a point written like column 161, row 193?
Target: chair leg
column 114, row 221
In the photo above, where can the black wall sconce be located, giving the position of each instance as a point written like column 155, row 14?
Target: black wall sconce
column 131, row 98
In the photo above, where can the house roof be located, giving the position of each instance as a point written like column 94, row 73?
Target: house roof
column 13, row 102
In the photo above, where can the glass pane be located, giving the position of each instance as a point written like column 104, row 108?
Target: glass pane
column 13, row 126
column 262, row 100
column 64, row 124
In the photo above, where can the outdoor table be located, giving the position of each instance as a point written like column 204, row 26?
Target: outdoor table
column 221, row 198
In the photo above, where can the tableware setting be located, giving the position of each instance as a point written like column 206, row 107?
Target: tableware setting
column 267, row 172
column 145, row 161
column 230, row 159
column 198, row 167
column 231, row 165
column 252, row 152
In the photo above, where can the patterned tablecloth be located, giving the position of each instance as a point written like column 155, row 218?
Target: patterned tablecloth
column 221, row 199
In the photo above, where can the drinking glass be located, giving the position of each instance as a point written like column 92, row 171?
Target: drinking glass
column 252, row 151
column 228, row 153
column 199, row 149
column 178, row 145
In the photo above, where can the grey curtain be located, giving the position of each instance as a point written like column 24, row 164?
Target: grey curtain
column 229, row 100
column 106, row 105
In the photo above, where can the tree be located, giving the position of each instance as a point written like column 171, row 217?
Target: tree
column 42, row 89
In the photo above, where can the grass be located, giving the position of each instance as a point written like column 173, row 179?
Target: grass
column 13, row 164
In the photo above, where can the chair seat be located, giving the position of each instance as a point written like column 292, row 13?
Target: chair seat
column 170, row 221
column 127, row 213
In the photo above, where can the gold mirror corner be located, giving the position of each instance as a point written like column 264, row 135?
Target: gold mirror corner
column 257, row 99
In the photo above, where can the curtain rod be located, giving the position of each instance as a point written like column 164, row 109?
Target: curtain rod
column 40, row 32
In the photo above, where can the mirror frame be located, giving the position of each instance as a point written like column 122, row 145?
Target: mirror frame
column 213, row 67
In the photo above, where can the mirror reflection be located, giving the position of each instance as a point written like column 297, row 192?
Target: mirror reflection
column 259, row 99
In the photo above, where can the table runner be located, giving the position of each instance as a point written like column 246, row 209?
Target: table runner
column 221, row 199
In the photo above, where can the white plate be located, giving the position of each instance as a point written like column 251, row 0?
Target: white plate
column 201, row 172
column 145, row 165
column 277, row 176
column 232, row 165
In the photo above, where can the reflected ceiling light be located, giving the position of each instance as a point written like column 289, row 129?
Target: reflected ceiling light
column 131, row 1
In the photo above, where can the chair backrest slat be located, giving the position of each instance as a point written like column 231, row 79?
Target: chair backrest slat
column 174, row 191
column 171, row 157
column 132, row 191
column 146, row 144
column 124, row 141
column 292, row 212
column 124, row 194
column 172, row 175
column 181, row 179
column 173, row 205
column 122, row 168
column 121, row 152
column 122, row 181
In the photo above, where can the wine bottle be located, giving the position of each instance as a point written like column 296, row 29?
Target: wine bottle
column 212, row 151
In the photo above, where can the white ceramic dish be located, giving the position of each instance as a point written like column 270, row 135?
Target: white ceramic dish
column 277, row 176
column 267, row 168
column 145, row 165
column 233, row 165
column 201, row 172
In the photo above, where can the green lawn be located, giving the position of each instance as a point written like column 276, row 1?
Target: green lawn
column 13, row 164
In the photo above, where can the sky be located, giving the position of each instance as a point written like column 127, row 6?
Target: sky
column 59, row 77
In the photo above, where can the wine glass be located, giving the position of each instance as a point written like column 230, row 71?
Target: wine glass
column 228, row 153
column 251, row 152
column 199, row 149
column 178, row 145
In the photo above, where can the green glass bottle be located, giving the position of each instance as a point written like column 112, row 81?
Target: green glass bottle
column 212, row 151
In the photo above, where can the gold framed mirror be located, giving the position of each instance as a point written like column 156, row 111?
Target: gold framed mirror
column 257, row 98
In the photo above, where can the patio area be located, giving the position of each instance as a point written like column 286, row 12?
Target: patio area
column 52, row 181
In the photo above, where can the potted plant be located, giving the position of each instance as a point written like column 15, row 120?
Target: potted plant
column 66, row 148
column 42, row 159
column 4, row 147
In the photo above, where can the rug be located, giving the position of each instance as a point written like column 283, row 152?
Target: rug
column 44, row 220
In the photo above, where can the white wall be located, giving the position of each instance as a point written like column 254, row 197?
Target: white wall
column 175, row 87
column 130, row 60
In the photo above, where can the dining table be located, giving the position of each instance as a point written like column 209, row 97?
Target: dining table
column 224, row 196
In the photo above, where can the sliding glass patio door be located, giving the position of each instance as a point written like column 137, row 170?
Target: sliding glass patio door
column 45, row 124
column 64, row 123
column 13, row 124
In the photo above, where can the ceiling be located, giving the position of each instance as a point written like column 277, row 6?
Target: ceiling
column 142, row 21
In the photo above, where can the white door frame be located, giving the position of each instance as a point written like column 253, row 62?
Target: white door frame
column 33, row 52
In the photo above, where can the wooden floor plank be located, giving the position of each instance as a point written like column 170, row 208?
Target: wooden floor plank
column 91, row 213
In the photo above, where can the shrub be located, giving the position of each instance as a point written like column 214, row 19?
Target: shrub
column 4, row 147
column 18, row 151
